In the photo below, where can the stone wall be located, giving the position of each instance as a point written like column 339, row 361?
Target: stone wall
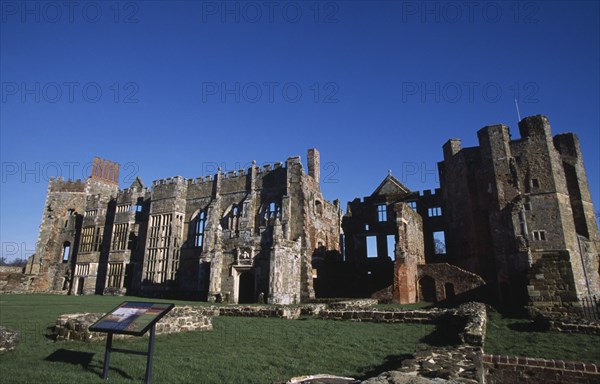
column 511, row 369
column 449, row 281
column 282, row 312
column 382, row 316
column 409, row 252
column 179, row 319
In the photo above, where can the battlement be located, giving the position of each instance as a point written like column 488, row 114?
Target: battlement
column 61, row 185
column 177, row 180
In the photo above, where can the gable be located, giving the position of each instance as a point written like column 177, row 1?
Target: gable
column 137, row 184
column 390, row 186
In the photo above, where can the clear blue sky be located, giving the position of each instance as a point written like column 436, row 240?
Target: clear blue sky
column 174, row 88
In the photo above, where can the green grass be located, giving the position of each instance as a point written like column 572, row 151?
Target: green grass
column 238, row 350
column 517, row 336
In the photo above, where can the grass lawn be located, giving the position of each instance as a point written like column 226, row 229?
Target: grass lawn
column 238, row 350
column 515, row 336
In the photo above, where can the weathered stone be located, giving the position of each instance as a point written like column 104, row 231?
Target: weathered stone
column 179, row 319
column 9, row 339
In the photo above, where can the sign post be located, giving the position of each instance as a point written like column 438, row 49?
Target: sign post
column 131, row 318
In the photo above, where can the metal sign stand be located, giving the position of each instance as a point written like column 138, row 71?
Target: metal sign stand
column 149, row 354
column 133, row 318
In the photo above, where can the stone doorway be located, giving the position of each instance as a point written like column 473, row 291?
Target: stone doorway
column 246, row 292
column 427, row 289
column 79, row 289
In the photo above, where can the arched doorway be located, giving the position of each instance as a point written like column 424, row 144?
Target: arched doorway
column 427, row 288
column 246, row 288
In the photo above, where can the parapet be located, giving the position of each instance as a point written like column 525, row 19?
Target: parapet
column 535, row 126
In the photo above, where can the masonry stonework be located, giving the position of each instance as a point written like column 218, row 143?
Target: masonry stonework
column 513, row 218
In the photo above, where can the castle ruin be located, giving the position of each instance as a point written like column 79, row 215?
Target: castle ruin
column 512, row 219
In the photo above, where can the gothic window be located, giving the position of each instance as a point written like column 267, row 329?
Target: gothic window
column 413, row 205
column 382, row 212
column 231, row 219
column 197, row 225
column 271, row 212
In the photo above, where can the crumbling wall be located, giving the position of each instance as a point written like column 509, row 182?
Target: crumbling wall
column 449, row 280
column 409, row 253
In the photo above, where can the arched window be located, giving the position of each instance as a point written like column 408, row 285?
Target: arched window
column 270, row 213
column 231, row 218
column 66, row 251
column 197, row 224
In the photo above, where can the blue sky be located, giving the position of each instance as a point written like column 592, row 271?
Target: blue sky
column 179, row 87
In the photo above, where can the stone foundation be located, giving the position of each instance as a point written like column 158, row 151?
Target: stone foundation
column 179, row 319
column 282, row 312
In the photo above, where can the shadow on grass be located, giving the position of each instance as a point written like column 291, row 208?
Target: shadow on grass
column 71, row 357
column 445, row 333
column 391, row 363
column 84, row 359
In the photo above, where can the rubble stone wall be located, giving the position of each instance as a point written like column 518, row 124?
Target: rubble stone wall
column 179, row 319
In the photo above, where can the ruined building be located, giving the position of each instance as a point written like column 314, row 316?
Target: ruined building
column 512, row 220
column 519, row 213
column 237, row 236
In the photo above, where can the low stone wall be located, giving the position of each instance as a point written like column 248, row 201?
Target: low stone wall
column 282, row 312
column 179, row 319
column 357, row 303
column 382, row 316
column 511, row 369
column 568, row 323
column 8, row 339
column 475, row 315
column 457, row 364
column 10, row 269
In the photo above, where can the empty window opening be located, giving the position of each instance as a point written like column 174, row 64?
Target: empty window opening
column 535, row 183
column 231, row 219
column 539, row 235
column 435, row 211
column 371, row 246
column 391, row 244
column 318, row 208
column 66, row 251
column 366, row 227
column 198, row 224
column 413, row 205
column 382, row 212
column 271, row 212
column 439, row 243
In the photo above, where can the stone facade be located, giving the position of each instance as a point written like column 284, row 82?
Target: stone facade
column 515, row 214
column 518, row 210
column 236, row 237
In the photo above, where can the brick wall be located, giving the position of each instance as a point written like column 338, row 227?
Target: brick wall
column 512, row 369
